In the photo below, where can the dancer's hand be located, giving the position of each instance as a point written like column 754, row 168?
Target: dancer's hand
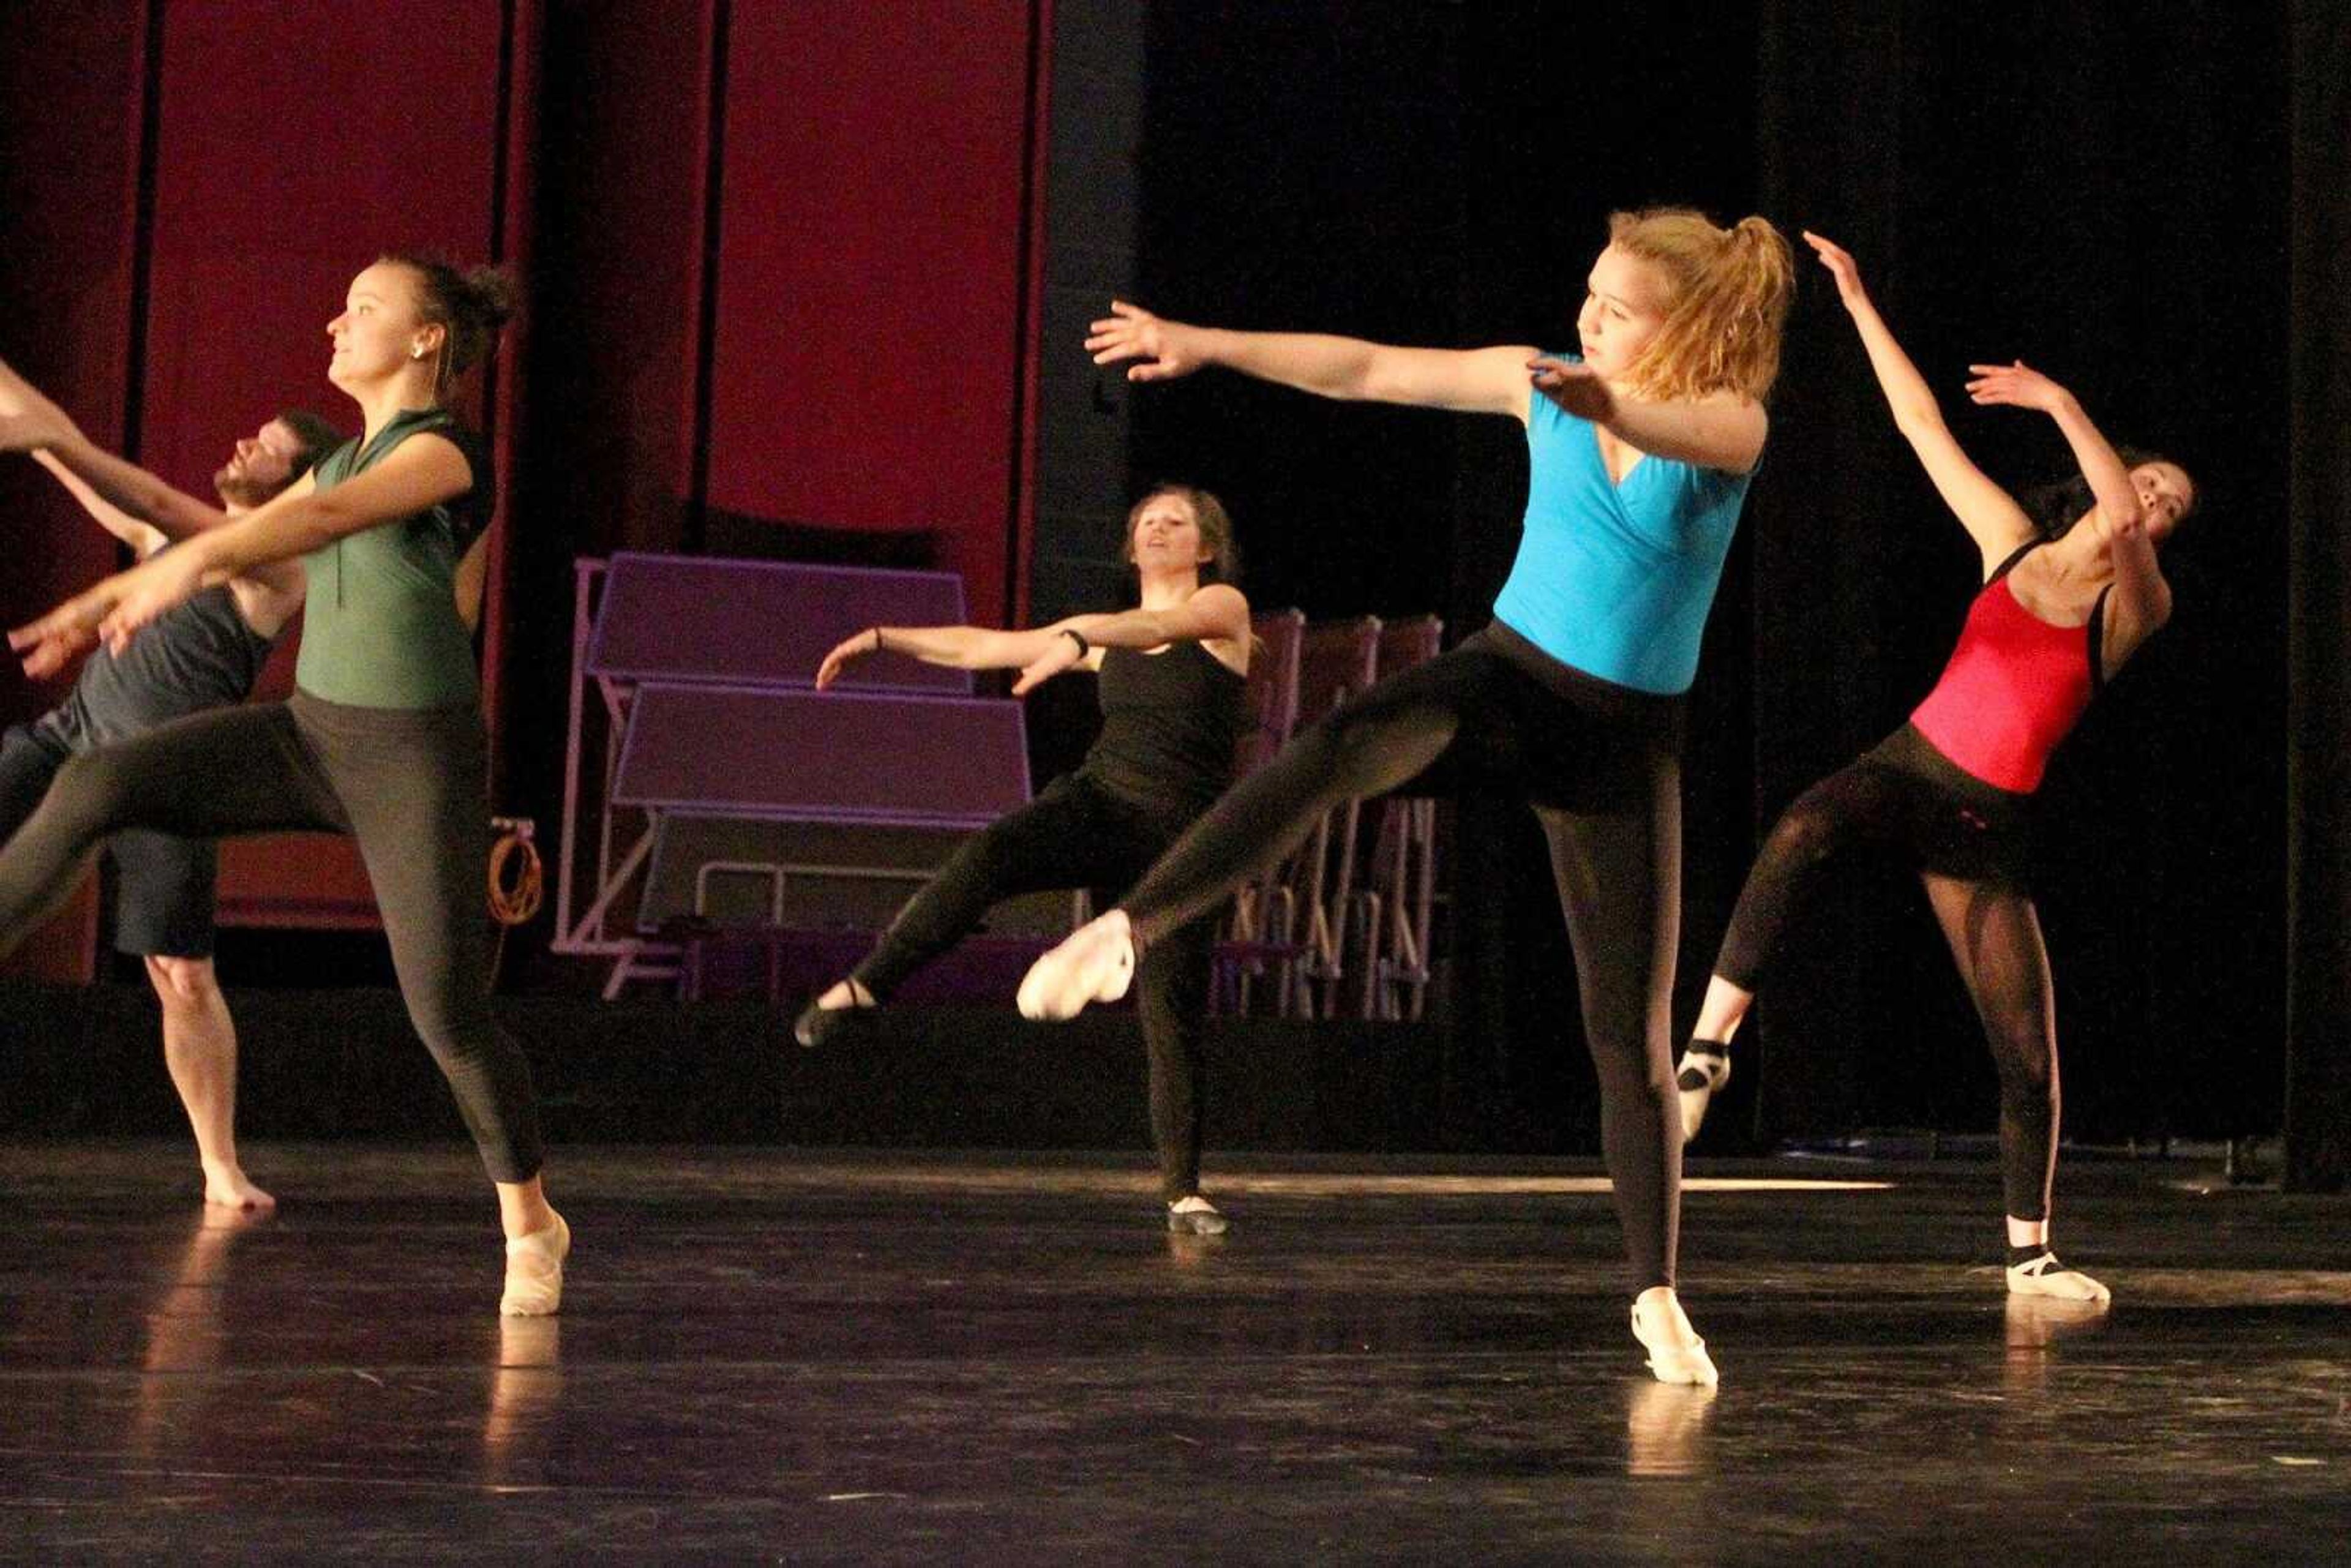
column 54, row 655
column 1842, row 266
column 1169, row 348
column 113, row 609
column 1062, row 655
column 853, row 647
column 1577, row 388
column 2017, row 385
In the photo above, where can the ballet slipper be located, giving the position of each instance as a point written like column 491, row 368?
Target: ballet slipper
column 2044, row 1276
column 1675, row 1353
column 535, row 1272
column 1095, row 962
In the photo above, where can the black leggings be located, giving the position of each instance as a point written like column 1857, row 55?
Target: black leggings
column 1601, row 766
column 407, row 784
column 1906, row 804
column 1079, row 834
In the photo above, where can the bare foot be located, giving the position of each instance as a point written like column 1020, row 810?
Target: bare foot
column 229, row 1188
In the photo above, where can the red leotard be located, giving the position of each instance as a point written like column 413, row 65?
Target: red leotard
column 2014, row 687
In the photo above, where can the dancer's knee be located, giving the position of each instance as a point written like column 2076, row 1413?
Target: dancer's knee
column 183, row 984
column 1804, row 835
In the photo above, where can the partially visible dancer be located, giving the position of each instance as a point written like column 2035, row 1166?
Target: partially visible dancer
column 204, row 654
column 1173, row 676
column 382, row 738
column 1641, row 450
column 2069, row 595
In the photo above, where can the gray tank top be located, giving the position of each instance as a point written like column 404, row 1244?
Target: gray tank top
column 193, row 657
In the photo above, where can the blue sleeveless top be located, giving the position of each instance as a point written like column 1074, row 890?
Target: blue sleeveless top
column 1615, row 579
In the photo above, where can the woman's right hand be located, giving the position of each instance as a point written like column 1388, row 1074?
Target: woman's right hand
column 1167, row 348
column 1842, row 266
column 853, row 647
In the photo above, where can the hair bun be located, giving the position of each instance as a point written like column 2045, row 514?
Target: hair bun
column 491, row 296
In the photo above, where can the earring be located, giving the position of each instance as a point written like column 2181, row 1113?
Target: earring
column 416, row 353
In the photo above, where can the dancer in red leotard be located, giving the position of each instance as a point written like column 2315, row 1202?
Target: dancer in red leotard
column 2068, row 598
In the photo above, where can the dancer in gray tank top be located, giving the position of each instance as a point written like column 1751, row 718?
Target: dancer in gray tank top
column 203, row 654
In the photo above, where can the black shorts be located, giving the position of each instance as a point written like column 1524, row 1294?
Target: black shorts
column 1949, row 821
column 163, row 899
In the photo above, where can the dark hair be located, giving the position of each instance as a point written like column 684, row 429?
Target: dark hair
column 317, row 434
column 1224, row 562
column 470, row 305
column 2055, row 508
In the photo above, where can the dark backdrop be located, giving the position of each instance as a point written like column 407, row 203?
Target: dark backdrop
column 2024, row 181
column 2110, row 202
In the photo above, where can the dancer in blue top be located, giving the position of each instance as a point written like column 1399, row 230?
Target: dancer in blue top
column 1641, row 449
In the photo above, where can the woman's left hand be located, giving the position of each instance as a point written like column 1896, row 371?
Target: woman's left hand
column 2018, row 385
column 1576, row 388
column 1061, row 655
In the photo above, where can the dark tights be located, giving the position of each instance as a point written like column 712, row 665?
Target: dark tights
column 1965, row 839
column 408, row 785
column 1079, row 834
column 1600, row 765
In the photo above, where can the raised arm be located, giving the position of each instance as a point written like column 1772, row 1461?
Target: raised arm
column 1472, row 381
column 144, row 538
column 2141, row 600
column 1990, row 514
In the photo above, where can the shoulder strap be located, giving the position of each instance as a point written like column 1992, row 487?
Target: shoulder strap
column 2098, row 641
column 2004, row 568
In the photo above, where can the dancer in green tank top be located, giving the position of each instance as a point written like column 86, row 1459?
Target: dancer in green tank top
column 382, row 738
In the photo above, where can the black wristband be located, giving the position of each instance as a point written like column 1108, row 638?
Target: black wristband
column 877, row 639
column 1074, row 635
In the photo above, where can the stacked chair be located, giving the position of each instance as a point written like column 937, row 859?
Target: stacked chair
column 1393, row 912
column 737, row 803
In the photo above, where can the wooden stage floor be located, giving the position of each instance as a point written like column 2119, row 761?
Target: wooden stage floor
column 775, row 1355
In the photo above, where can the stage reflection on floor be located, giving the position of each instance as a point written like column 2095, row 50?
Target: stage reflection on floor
column 788, row 1357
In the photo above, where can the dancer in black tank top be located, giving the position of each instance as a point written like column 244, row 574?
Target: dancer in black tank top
column 1172, row 673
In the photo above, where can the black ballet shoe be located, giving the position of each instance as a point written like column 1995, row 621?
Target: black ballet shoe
column 829, row 1026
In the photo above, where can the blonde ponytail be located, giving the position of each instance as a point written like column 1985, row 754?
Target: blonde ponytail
column 1731, row 291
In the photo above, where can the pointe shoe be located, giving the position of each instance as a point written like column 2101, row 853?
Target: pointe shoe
column 1095, row 962
column 1704, row 1068
column 1670, row 1358
column 535, row 1272
column 2044, row 1276
column 1196, row 1216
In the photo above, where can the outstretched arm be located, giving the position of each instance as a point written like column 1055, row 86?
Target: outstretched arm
column 424, row 471
column 1217, row 613
column 1991, row 517
column 1720, row 431
column 1473, row 381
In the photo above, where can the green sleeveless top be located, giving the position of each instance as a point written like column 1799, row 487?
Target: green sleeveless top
column 379, row 627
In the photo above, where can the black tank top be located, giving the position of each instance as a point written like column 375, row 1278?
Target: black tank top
column 193, row 657
column 1171, row 722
